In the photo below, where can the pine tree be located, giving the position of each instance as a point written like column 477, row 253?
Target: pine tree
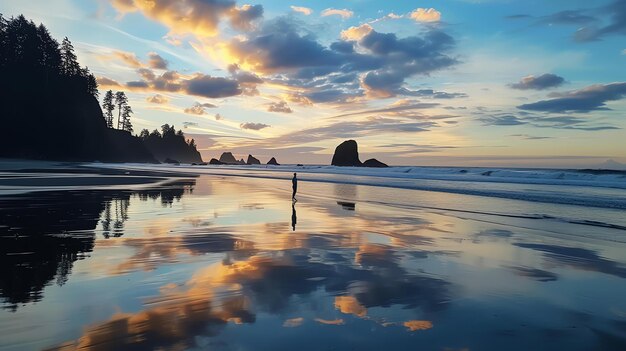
column 120, row 100
column 108, row 106
column 69, row 62
column 126, row 124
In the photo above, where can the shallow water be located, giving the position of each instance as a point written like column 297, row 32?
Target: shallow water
column 227, row 263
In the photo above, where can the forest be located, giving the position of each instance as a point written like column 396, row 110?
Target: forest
column 50, row 107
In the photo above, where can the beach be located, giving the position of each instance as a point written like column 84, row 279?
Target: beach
column 156, row 257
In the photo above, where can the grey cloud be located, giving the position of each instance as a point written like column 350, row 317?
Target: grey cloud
column 294, row 57
column 137, row 84
column 242, row 18
column 212, row 87
column 146, row 73
column 503, row 120
column 544, row 81
column 155, row 61
column 591, row 98
column 576, row 17
column 253, row 126
column 279, row 107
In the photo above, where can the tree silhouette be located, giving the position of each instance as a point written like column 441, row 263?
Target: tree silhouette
column 120, row 100
column 126, row 124
column 108, row 106
column 69, row 61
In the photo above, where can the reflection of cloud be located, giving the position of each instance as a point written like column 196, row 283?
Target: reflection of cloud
column 414, row 325
column 579, row 258
column 293, row 322
column 350, row 305
column 534, row 273
column 330, row 322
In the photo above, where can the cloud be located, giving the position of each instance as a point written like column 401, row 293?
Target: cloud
column 592, row 24
column 129, row 58
column 253, row 126
column 212, row 87
column 425, row 15
column 157, row 99
column 544, row 81
column 279, row 107
column 345, row 13
column 155, row 61
column 189, row 124
column 505, row 120
column 198, row 17
column 356, row 33
column 303, row 10
column 591, row 98
column 218, row 117
column 243, row 17
column 198, row 109
column 364, row 62
column 104, row 82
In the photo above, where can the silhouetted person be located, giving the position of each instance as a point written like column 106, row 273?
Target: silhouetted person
column 294, row 184
column 294, row 218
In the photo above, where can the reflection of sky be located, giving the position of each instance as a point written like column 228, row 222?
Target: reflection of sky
column 222, row 268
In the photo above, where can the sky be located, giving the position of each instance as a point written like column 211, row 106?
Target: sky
column 530, row 83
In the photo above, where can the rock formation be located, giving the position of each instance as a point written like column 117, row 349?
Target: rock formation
column 228, row 158
column 253, row 160
column 347, row 155
column 215, row 162
column 372, row 162
column 273, row 161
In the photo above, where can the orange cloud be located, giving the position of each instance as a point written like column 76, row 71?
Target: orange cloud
column 425, row 15
column 196, row 17
column 350, row 305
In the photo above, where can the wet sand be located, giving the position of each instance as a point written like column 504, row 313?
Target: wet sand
column 229, row 263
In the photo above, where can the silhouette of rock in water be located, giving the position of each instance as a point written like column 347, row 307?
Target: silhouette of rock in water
column 215, row 162
column 253, row 160
column 372, row 162
column 228, row 158
column 347, row 155
column 241, row 162
column 273, row 161
column 169, row 160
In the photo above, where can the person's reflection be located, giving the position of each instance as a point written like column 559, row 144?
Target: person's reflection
column 294, row 218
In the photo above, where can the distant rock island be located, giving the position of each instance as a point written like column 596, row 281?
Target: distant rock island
column 347, row 155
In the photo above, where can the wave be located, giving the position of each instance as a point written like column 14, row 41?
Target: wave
column 568, row 187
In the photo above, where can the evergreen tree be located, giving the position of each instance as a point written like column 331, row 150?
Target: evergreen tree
column 108, row 106
column 69, row 61
column 120, row 100
column 49, row 55
column 144, row 134
column 126, row 124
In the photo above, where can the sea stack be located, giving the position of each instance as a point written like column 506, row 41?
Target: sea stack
column 253, row 160
column 228, row 158
column 372, row 162
column 215, row 162
column 273, row 161
column 347, row 155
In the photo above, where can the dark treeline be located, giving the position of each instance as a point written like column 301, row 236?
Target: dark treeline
column 170, row 145
column 50, row 107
